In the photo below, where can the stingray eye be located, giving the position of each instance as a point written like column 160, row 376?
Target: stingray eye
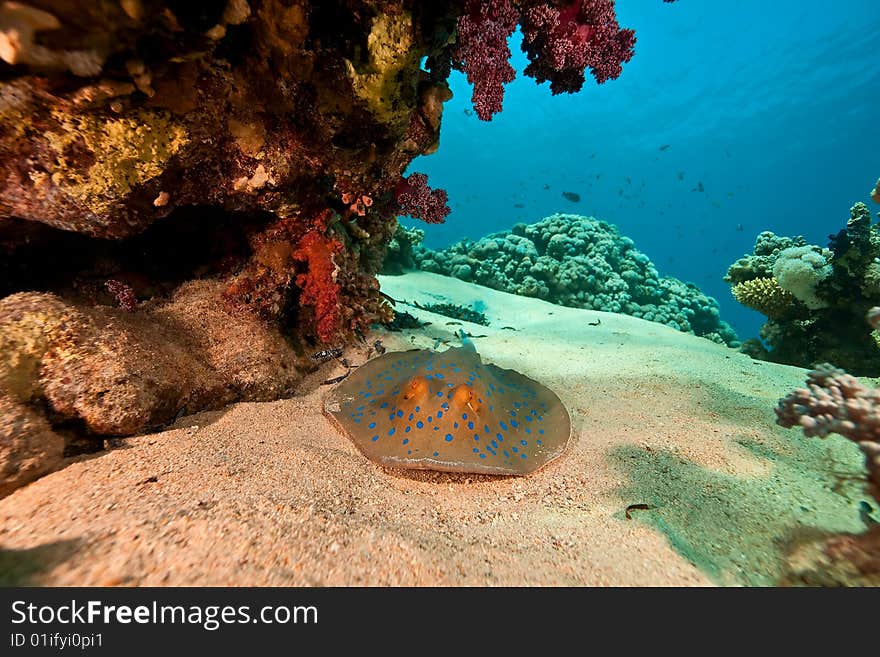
column 464, row 397
column 417, row 387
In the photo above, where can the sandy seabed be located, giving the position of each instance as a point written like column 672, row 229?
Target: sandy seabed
column 273, row 494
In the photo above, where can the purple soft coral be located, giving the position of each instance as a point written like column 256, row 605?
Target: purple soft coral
column 482, row 52
column 562, row 43
column 416, row 199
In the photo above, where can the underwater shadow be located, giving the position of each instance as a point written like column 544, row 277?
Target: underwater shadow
column 739, row 530
column 22, row 567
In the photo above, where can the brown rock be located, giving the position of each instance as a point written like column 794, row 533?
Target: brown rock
column 28, row 446
column 120, row 373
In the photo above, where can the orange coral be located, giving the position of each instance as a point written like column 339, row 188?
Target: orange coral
column 319, row 287
column 875, row 194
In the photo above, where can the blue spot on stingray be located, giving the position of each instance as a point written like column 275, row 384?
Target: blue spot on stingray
column 439, row 414
column 539, row 442
column 516, row 404
column 528, row 419
column 399, row 413
column 375, row 438
column 523, row 455
column 515, row 449
column 506, row 453
column 464, row 417
column 436, row 428
column 409, row 451
column 368, row 394
column 360, row 408
column 470, row 425
column 357, row 420
column 514, row 423
column 486, row 428
column 439, row 376
column 523, row 443
column 420, row 424
column 494, row 444
column 391, row 431
column 405, row 441
column 454, row 425
column 476, row 436
column 439, row 394
column 429, row 419
column 448, row 437
column 476, row 450
column 482, row 456
column 503, row 425
column 408, row 429
column 384, row 405
column 500, row 437
column 528, row 430
column 418, row 408
column 436, row 453
column 410, row 417
column 540, row 431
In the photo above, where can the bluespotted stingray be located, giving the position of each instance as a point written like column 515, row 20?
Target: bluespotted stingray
column 429, row 410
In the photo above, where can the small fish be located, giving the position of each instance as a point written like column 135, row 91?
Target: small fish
column 640, row 507
column 739, row 228
column 326, row 354
column 680, row 175
column 468, row 112
column 546, row 186
column 519, row 205
column 664, row 147
column 572, row 196
column 699, row 187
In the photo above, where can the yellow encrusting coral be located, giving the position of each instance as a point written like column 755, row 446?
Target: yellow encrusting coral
column 764, row 295
column 126, row 152
column 378, row 83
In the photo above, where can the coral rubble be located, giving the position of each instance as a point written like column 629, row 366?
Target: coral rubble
column 580, row 262
column 815, row 298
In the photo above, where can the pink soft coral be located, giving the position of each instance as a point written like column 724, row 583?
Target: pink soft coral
column 482, row 51
column 562, row 43
column 416, row 199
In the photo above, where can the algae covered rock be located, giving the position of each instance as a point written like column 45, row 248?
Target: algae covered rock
column 117, row 373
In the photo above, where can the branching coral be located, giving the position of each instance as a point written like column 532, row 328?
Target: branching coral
column 836, row 402
column 764, row 295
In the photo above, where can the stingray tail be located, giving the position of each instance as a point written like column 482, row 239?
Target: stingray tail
column 465, row 340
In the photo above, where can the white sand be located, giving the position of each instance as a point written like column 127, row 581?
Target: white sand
column 272, row 494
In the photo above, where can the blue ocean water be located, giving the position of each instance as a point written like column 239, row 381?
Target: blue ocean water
column 774, row 107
